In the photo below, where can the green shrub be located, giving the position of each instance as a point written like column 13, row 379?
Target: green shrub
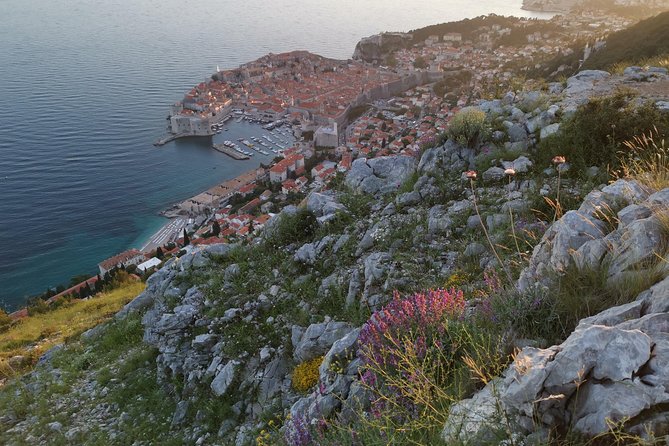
column 468, row 127
column 596, row 133
column 292, row 228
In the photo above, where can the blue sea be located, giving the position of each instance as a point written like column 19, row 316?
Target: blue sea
column 84, row 92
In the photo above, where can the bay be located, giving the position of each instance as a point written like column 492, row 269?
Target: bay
column 84, row 92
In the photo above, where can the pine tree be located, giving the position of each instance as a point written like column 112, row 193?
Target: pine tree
column 215, row 229
column 159, row 253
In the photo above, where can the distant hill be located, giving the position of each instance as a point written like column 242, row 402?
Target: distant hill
column 646, row 39
column 467, row 27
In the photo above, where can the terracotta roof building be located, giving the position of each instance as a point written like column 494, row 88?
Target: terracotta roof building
column 126, row 258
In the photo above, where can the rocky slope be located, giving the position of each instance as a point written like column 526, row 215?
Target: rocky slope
column 225, row 327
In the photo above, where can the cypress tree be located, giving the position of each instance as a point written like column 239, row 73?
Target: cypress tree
column 215, row 229
column 186, row 239
column 159, row 253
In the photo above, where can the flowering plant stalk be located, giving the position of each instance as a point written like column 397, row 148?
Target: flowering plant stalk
column 471, row 175
column 510, row 173
column 558, row 161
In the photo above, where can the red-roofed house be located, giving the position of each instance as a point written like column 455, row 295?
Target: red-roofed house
column 251, row 205
column 279, row 172
column 345, row 163
column 126, row 258
column 260, row 221
column 301, row 182
column 210, row 241
column 246, row 189
column 289, row 186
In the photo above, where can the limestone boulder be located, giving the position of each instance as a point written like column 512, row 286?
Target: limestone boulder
column 317, row 339
column 381, row 175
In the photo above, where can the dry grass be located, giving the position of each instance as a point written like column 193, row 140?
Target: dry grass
column 647, row 161
column 657, row 61
column 32, row 336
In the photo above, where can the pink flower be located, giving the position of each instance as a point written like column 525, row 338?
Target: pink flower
column 471, row 174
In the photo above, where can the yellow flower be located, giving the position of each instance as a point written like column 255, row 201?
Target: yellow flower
column 306, row 375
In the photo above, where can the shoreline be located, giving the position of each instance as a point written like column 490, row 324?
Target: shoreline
column 178, row 221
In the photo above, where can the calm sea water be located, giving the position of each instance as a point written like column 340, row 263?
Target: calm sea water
column 84, row 91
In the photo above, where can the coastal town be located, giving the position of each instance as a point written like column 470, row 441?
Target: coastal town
column 316, row 115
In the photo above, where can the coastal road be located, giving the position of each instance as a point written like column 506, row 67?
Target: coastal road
column 168, row 233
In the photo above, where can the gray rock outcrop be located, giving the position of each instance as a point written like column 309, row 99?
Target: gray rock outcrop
column 380, row 175
column 596, row 235
column 611, row 368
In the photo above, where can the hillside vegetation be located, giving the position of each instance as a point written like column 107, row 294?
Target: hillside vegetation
column 27, row 339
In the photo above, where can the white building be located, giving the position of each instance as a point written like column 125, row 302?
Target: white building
column 327, row 136
column 151, row 263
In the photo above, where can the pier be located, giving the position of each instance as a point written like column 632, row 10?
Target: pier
column 169, row 138
column 230, row 152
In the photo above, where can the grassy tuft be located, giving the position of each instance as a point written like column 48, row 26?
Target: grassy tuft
column 646, row 160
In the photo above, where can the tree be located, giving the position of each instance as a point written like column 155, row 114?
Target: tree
column 98, row 284
column 420, row 62
column 186, row 239
column 383, row 143
column 131, row 269
column 160, row 254
column 87, row 290
column 215, row 229
column 5, row 321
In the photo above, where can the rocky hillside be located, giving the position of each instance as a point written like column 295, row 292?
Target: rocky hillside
column 297, row 338
column 647, row 39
